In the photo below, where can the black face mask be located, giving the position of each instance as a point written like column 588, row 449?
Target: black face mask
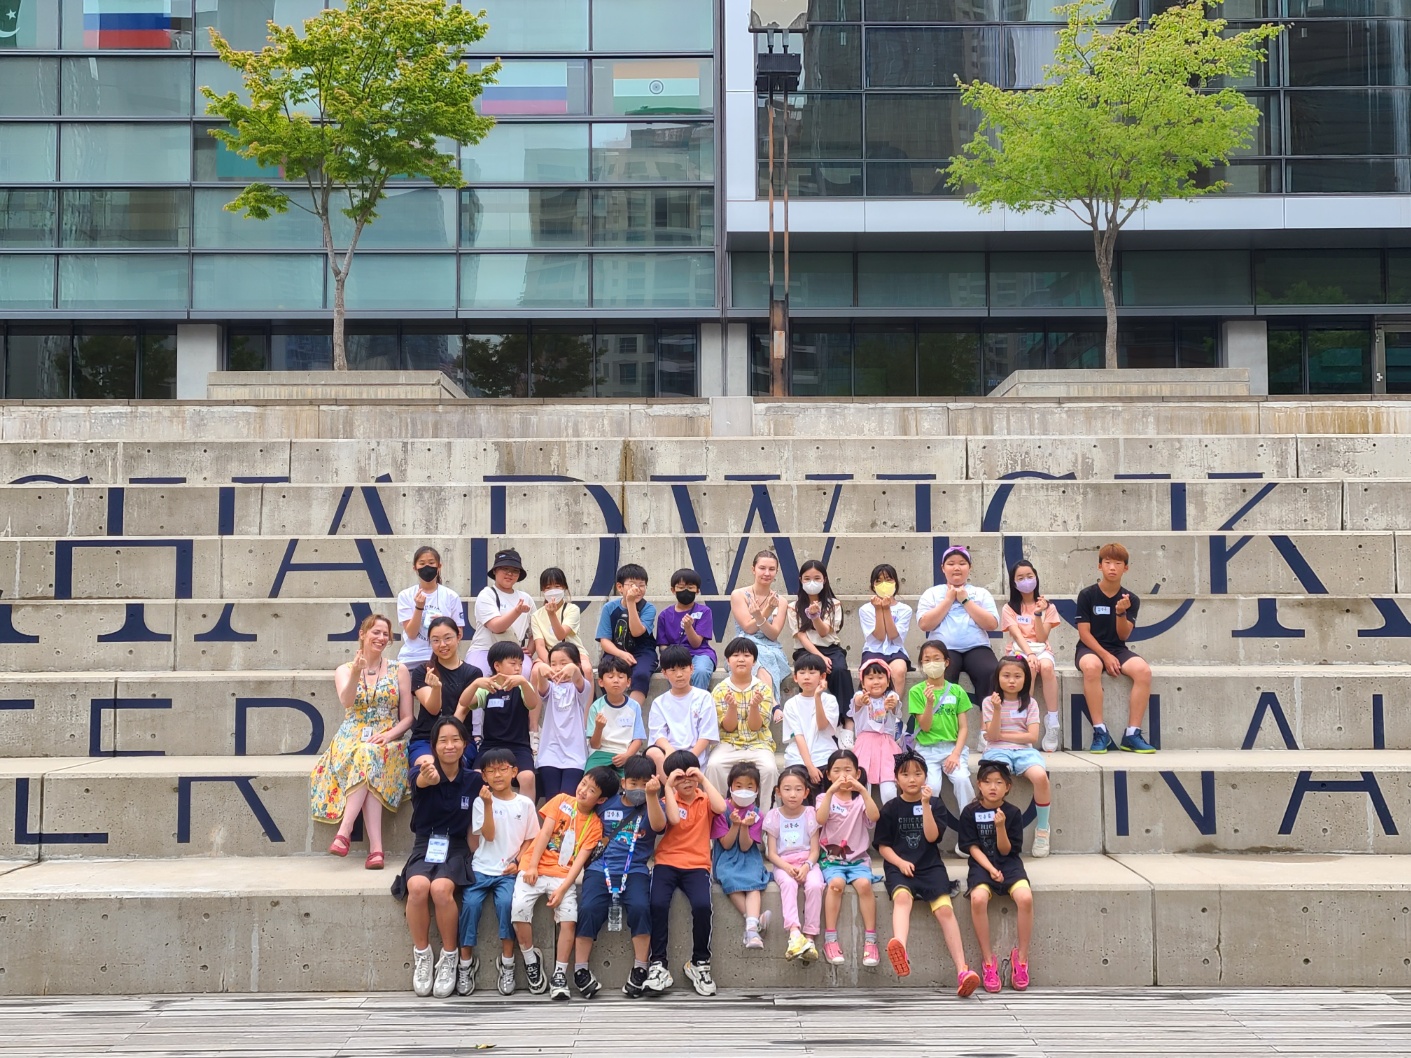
column 685, row 597
column 428, row 573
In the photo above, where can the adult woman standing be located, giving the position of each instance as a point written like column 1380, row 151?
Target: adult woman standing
column 961, row 616
column 815, row 620
column 365, row 766
column 421, row 604
column 759, row 615
column 501, row 609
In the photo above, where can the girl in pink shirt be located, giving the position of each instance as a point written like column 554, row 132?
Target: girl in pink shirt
column 1029, row 618
column 847, row 814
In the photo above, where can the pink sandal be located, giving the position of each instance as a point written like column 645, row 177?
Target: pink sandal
column 340, row 846
column 373, row 861
column 1018, row 972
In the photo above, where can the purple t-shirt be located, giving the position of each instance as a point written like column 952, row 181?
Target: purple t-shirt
column 669, row 629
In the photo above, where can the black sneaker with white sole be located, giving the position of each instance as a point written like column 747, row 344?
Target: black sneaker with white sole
column 636, row 986
column 534, row 974
column 558, row 986
column 588, row 986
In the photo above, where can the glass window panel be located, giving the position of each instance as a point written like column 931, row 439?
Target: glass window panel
column 832, row 56
column 36, row 360
column 834, row 10
column 28, row 87
column 1265, row 73
column 948, row 362
column 157, row 372
column 1072, row 348
column 98, row 24
column 433, row 347
column 217, row 228
column 301, row 348
column 818, row 127
column 528, row 153
column 421, row 218
column 1399, row 277
column 524, row 280
column 820, row 360
column 105, row 363
column 26, row 281
column 1337, row 52
column 562, row 361
column 624, row 153
column 653, row 280
column 215, row 161
column 138, row 154
column 677, row 354
column 1322, row 277
column 816, row 280
column 532, row 25
column 220, row 79
column 1196, row 277
column 815, row 179
column 1006, row 351
column 1339, row 360
column 1197, row 344
column 1373, row 121
column 29, row 24
column 1266, row 138
column 244, row 24
column 524, row 218
column 907, row 180
column 626, row 361
column 1285, row 360
column 931, row 57
column 27, row 153
column 1146, row 344
column 536, row 87
column 1020, row 280
column 401, row 281
column 759, row 359
column 1243, row 178
column 27, row 217
column 496, row 365
column 921, row 279
column 650, row 25
column 1024, row 52
column 886, row 361
column 1349, row 175
column 373, row 348
column 1256, row 9
column 933, row 127
column 128, row 282
column 108, row 86
column 647, row 87
column 246, row 350
column 656, row 216
column 1398, row 353
column 126, row 218
column 258, row 281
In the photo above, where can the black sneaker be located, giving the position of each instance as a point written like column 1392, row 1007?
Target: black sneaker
column 558, row 987
column 636, row 986
column 534, row 974
column 588, row 986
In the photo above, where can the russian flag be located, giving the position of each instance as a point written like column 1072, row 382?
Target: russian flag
column 127, row 24
column 527, row 88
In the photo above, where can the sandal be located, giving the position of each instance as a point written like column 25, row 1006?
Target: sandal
column 373, row 861
column 340, row 846
column 896, row 951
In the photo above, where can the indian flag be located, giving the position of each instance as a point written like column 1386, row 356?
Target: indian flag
column 657, row 88
column 127, row 23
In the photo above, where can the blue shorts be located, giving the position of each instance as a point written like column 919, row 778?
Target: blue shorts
column 1019, row 760
column 642, row 670
column 848, row 870
column 417, row 749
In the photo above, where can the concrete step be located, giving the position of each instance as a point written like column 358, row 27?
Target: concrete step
column 268, row 925
column 239, row 712
column 323, row 567
column 203, row 635
column 67, row 808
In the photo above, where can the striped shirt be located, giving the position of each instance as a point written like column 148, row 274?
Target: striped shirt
column 1014, row 719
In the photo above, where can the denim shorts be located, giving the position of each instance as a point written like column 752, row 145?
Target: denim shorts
column 848, row 870
column 1019, row 760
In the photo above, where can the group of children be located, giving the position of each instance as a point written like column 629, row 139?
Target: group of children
column 638, row 806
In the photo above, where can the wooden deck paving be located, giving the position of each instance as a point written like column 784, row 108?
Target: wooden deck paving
column 1041, row 1024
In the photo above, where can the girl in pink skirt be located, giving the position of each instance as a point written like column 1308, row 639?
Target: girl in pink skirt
column 877, row 714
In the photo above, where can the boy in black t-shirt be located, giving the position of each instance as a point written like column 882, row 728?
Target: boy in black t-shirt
column 907, row 832
column 992, row 831
column 1107, row 615
column 510, row 703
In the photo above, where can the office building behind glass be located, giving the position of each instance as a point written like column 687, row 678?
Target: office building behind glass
column 610, row 240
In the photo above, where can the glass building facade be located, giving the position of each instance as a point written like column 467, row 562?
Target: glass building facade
column 610, row 239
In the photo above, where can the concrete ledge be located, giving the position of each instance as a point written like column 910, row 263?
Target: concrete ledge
column 1127, row 382
column 232, row 387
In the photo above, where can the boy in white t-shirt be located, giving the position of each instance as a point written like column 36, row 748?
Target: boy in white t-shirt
column 682, row 718
column 810, row 720
column 506, row 834
column 614, row 723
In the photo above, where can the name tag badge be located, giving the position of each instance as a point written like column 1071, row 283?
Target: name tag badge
column 985, row 817
column 465, row 803
column 1103, row 610
column 917, row 810
column 566, row 850
column 496, row 703
column 837, row 808
column 613, row 816
column 438, row 848
column 566, row 808
column 682, row 812
column 1027, row 619
column 948, row 700
column 367, row 734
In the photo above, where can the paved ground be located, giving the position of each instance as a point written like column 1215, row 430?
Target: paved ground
column 863, row 1024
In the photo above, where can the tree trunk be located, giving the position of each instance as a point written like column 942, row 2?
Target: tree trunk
column 340, row 352
column 1103, row 245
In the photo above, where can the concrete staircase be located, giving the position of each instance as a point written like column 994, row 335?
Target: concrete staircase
column 177, row 582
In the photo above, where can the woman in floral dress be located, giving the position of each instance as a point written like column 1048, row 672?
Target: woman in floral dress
column 365, row 766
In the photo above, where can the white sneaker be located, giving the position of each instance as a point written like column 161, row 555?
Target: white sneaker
column 506, row 977
column 1040, row 844
column 465, row 976
column 421, row 972
column 445, row 982
column 1050, row 740
column 658, row 978
column 699, row 975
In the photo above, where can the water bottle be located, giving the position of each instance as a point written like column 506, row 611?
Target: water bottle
column 615, row 914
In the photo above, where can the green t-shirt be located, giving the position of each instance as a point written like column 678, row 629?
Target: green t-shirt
column 951, row 702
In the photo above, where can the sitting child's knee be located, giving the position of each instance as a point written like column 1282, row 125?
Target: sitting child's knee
column 1022, row 896
column 862, row 885
column 835, row 885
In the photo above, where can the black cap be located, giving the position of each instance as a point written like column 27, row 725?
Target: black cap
column 508, row 560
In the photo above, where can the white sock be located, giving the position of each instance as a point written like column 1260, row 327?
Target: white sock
column 1099, row 727
column 531, row 957
column 506, row 960
column 465, row 962
column 751, row 922
column 422, row 951
column 447, row 951
column 560, row 967
column 1052, row 718
column 1133, row 730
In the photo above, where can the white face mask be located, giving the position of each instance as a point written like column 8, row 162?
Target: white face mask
column 935, row 670
column 743, row 798
column 812, row 587
column 554, row 594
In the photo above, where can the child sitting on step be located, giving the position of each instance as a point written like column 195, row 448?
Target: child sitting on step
column 1010, row 719
column 991, row 830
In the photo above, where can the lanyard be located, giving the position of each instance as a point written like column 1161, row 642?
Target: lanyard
column 626, row 867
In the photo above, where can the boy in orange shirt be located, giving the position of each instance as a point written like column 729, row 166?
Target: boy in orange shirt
column 568, row 837
column 683, row 862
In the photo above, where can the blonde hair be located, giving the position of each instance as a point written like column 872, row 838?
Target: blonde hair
column 370, row 620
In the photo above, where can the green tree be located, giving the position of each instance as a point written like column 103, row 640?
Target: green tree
column 359, row 97
column 1127, row 116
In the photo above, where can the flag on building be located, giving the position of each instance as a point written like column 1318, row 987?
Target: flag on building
column 527, row 88
column 127, row 24
column 656, row 87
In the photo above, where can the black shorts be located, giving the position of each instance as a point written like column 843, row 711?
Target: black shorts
column 523, row 755
column 887, row 659
column 1122, row 654
column 980, row 877
column 457, row 866
column 928, row 886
